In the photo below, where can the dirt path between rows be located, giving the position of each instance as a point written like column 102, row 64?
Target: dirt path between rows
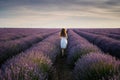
column 61, row 71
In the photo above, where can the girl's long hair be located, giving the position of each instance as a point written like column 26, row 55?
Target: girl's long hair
column 63, row 33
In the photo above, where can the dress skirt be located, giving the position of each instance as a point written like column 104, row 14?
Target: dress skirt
column 63, row 42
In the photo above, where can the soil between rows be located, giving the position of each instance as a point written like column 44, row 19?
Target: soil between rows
column 61, row 70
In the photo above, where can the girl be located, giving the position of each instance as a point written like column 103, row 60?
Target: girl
column 63, row 42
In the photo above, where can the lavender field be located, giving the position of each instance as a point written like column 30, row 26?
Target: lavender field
column 35, row 54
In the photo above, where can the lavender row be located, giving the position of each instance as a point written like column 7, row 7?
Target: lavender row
column 50, row 44
column 27, row 66
column 11, row 48
column 34, row 63
column 115, row 31
column 97, row 66
column 77, row 47
column 12, row 34
column 108, row 45
column 26, row 31
column 115, row 36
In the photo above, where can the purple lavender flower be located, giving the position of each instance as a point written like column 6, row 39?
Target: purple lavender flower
column 108, row 45
column 96, row 66
column 77, row 47
column 34, row 63
column 11, row 48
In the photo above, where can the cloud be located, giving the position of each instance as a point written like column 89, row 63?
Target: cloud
column 13, row 8
column 113, row 2
column 28, row 11
column 57, row 3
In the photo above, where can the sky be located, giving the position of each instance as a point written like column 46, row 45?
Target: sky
column 60, row 13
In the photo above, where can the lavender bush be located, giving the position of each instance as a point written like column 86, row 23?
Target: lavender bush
column 8, row 49
column 77, row 47
column 50, row 44
column 34, row 63
column 114, row 36
column 33, row 66
column 8, row 34
column 115, row 31
column 108, row 45
column 97, row 66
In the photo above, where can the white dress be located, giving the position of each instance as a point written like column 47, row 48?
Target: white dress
column 63, row 42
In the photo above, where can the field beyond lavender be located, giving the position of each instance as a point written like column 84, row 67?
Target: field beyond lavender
column 35, row 54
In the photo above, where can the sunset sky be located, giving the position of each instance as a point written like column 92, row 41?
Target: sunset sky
column 60, row 13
